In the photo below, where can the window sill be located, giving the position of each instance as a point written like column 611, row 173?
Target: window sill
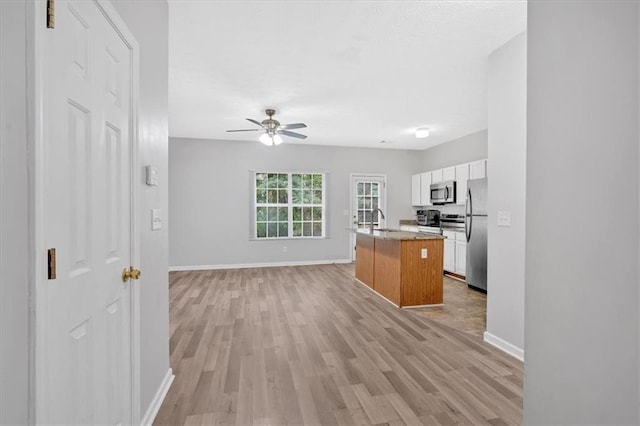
column 287, row 238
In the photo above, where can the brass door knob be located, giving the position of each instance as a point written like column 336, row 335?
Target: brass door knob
column 135, row 273
column 130, row 273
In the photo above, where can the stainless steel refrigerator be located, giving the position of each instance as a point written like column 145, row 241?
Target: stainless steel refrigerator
column 476, row 229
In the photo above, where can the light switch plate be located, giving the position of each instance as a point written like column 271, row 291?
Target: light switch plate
column 423, row 253
column 152, row 175
column 156, row 220
column 504, row 218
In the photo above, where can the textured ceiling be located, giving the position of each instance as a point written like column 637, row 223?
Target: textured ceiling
column 357, row 72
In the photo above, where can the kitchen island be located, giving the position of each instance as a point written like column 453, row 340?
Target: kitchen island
column 403, row 267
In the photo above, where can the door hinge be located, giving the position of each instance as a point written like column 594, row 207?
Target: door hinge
column 51, row 264
column 51, row 14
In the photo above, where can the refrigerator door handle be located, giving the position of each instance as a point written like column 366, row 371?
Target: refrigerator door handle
column 468, row 219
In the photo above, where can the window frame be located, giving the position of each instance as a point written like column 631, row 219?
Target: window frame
column 290, row 206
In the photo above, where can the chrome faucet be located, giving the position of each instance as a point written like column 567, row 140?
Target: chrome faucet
column 371, row 223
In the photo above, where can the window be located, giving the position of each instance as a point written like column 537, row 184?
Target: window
column 289, row 205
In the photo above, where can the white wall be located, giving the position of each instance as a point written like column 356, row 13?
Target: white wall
column 581, row 293
column 149, row 23
column 14, row 294
column 210, row 198
column 457, row 151
column 506, row 168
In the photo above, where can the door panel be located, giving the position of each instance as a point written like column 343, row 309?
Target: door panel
column 86, row 359
column 449, row 255
column 368, row 194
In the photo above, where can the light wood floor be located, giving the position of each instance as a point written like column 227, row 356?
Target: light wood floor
column 309, row 345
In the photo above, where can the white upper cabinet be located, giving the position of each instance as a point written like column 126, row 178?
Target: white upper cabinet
column 415, row 190
column 420, row 189
column 478, row 169
column 449, row 174
column 425, row 189
column 421, row 183
column 436, row 176
column 462, row 175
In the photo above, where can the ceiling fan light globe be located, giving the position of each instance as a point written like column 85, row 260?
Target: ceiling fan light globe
column 266, row 139
column 277, row 139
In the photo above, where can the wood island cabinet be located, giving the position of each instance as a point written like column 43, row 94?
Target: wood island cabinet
column 364, row 260
column 396, row 269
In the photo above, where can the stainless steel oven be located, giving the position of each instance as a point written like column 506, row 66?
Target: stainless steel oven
column 443, row 192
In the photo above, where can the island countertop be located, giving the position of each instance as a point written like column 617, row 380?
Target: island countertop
column 392, row 234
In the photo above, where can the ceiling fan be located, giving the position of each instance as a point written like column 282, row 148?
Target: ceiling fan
column 272, row 129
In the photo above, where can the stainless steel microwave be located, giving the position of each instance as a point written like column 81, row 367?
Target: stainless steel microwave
column 443, row 192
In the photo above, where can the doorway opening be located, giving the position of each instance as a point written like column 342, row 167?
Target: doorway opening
column 368, row 193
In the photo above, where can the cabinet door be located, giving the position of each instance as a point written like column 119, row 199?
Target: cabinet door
column 425, row 191
column 449, row 255
column 478, row 169
column 449, row 174
column 436, row 176
column 461, row 257
column 415, row 190
column 462, row 175
column 449, row 251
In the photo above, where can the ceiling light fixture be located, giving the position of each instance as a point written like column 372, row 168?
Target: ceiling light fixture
column 273, row 129
column 422, row 132
column 270, row 139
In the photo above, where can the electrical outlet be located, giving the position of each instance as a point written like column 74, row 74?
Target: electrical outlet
column 504, row 218
column 284, row 249
column 423, row 253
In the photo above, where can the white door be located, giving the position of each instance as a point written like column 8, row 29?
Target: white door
column 368, row 193
column 84, row 357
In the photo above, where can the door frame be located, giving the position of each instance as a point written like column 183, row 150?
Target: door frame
column 35, row 40
column 383, row 207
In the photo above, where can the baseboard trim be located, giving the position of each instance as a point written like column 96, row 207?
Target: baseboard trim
column 256, row 265
column 455, row 276
column 156, row 402
column 375, row 292
column 422, row 306
column 504, row 346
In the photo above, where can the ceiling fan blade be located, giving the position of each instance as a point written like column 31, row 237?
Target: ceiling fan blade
column 245, row 130
column 292, row 134
column 293, row 126
column 255, row 122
